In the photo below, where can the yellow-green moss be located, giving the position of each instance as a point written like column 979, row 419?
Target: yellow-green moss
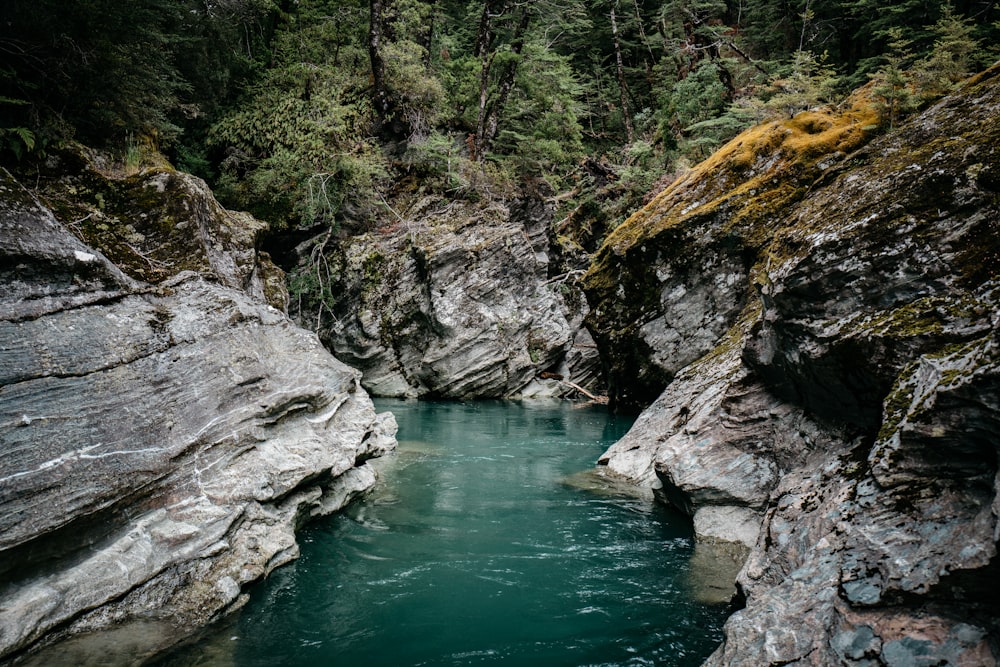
column 923, row 317
column 754, row 177
column 740, row 194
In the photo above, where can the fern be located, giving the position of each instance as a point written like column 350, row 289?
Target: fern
column 18, row 140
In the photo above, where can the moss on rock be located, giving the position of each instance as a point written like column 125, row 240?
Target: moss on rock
column 157, row 222
column 786, row 196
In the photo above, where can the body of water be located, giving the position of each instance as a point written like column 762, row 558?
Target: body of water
column 484, row 544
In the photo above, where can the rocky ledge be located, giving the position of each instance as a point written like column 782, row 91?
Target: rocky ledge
column 164, row 429
column 841, row 414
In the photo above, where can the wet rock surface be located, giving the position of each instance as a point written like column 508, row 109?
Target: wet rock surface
column 845, row 422
column 162, row 439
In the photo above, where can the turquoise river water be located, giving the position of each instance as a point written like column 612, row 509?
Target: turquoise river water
column 484, row 544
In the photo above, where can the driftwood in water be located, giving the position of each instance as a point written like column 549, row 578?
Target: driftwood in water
column 595, row 398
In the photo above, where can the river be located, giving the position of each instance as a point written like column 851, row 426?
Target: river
column 485, row 543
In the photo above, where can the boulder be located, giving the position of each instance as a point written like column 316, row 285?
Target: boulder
column 156, row 222
column 163, row 435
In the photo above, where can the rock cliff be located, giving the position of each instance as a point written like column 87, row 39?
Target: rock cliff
column 453, row 300
column 164, row 430
column 823, row 307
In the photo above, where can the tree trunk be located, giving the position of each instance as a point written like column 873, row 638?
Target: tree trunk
column 490, row 111
column 479, row 142
column 622, row 87
column 381, row 99
column 642, row 35
column 427, row 34
column 484, row 39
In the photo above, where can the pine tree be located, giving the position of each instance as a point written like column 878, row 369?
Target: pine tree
column 810, row 83
column 950, row 58
column 893, row 88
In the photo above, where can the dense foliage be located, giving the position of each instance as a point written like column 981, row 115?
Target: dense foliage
column 318, row 111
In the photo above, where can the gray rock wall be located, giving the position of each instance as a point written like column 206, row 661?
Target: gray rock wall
column 845, row 426
column 160, row 443
column 454, row 302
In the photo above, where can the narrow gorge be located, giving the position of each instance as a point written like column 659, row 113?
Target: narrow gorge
column 807, row 320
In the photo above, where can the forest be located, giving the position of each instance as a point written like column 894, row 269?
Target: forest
column 311, row 113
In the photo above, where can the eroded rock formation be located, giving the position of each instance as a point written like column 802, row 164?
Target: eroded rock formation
column 839, row 411
column 164, row 431
column 453, row 301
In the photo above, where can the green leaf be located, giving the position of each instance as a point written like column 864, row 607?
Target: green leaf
column 26, row 135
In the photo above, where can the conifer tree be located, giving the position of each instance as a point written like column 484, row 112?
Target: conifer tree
column 498, row 66
column 811, row 82
column 893, row 87
column 950, row 58
column 620, row 72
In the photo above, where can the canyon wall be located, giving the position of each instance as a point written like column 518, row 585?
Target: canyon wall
column 455, row 299
column 822, row 306
column 164, row 429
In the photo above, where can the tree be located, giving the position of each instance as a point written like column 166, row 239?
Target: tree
column 381, row 98
column 892, row 88
column 295, row 148
column 951, row 56
column 811, row 82
column 620, row 71
column 692, row 103
column 98, row 67
column 874, row 26
column 500, row 59
column 103, row 70
column 541, row 132
column 406, row 96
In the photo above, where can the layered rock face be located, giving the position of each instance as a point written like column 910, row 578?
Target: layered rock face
column 671, row 280
column 844, row 422
column 455, row 301
column 164, row 433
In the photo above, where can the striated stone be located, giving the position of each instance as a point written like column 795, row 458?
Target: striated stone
column 716, row 443
column 457, row 304
column 852, row 403
column 161, row 442
column 730, row 523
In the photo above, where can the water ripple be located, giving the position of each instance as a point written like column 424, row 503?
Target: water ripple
column 486, row 543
